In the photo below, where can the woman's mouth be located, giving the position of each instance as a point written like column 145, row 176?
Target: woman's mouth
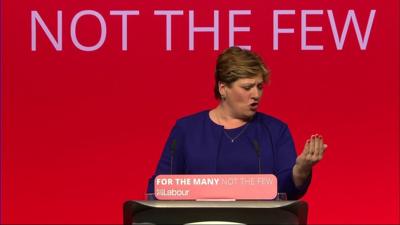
column 254, row 106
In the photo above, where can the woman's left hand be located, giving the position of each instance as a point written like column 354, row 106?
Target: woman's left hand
column 313, row 152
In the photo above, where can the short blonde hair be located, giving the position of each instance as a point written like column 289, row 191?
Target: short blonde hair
column 235, row 63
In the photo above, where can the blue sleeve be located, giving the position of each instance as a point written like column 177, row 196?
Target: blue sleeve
column 285, row 159
column 173, row 152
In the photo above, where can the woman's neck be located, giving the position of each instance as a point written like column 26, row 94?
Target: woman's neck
column 225, row 117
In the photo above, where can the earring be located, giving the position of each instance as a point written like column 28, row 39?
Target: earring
column 223, row 97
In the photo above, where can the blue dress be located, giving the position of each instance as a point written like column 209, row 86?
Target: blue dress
column 200, row 146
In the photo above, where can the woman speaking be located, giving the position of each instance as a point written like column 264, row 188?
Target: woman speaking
column 234, row 138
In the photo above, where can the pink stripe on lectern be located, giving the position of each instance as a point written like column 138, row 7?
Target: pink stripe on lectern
column 216, row 187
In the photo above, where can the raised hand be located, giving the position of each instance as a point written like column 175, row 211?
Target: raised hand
column 313, row 151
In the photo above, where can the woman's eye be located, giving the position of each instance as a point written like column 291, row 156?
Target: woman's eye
column 247, row 88
column 260, row 87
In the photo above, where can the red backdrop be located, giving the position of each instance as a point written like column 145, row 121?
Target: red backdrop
column 83, row 130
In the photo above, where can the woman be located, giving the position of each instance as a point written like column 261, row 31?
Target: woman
column 234, row 138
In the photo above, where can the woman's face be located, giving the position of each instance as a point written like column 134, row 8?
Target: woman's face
column 243, row 96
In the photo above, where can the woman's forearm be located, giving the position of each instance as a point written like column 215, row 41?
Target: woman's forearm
column 300, row 174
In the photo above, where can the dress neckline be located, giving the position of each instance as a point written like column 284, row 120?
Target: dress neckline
column 232, row 129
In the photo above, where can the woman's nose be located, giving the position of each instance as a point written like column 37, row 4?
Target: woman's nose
column 256, row 93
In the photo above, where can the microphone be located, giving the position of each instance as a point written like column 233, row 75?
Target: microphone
column 258, row 153
column 172, row 152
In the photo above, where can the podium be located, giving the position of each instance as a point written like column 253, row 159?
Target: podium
column 242, row 212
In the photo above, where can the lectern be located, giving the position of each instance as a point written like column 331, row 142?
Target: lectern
column 244, row 212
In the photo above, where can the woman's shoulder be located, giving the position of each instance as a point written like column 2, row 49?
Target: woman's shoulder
column 192, row 119
column 270, row 121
